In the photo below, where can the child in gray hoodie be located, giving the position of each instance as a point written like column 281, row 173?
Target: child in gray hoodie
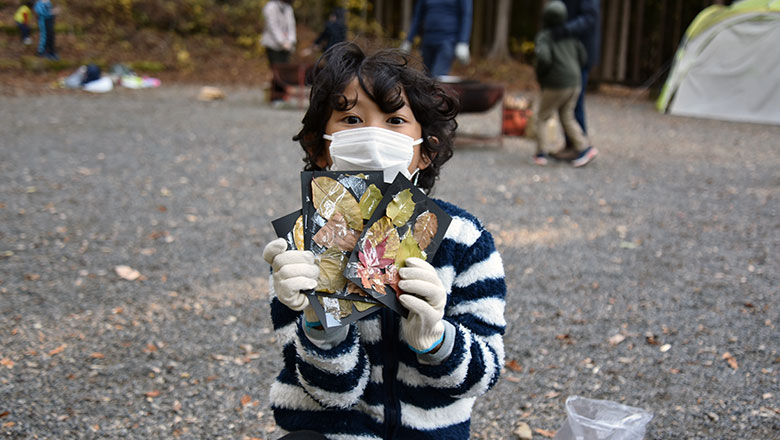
column 558, row 66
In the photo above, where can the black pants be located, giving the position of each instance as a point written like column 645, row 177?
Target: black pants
column 277, row 57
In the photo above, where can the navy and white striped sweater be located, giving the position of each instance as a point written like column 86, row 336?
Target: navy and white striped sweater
column 371, row 385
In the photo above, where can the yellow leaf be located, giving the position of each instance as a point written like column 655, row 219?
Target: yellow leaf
column 298, row 233
column 409, row 248
column 369, row 201
column 401, row 208
column 329, row 196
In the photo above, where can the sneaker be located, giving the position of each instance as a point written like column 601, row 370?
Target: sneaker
column 540, row 159
column 27, row 41
column 565, row 154
column 585, row 157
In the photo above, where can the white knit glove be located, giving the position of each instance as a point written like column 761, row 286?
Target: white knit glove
column 293, row 271
column 424, row 297
column 406, row 47
column 462, row 53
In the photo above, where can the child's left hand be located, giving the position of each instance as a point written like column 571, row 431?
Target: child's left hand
column 424, row 297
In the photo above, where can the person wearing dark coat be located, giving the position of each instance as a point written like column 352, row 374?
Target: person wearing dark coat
column 335, row 30
column 584, row 23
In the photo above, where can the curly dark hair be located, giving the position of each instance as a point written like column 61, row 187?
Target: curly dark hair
column 382, row 76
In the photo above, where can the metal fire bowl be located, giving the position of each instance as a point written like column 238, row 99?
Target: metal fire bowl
column 474, row 96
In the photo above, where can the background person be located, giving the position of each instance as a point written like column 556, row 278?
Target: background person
column 22, row 18
column 445, row 28
column 335, row 30
column 279, row 38
column 584, row 23
column 46, row 14
column 558, row 64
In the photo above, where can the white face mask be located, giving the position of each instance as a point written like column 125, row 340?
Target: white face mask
column 372, row 148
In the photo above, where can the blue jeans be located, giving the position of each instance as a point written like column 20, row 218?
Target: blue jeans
column 24, row 30
column 438, row 57
column 46, row 36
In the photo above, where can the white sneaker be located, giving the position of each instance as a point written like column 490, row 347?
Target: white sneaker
column 585, row 157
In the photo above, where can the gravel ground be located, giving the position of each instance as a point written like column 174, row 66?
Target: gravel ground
column 649, row 277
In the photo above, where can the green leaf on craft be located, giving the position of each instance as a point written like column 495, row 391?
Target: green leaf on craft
column 401, row 208
column 409, row 248
column 425, row 228
column 336, row 233
column 332, row 263
column 298, row 233
column 329, row 196
column 369, row 201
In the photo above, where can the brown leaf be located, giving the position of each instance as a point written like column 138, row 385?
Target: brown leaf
column 177, row 406
column 150, row 348
column 245, row 399
column 97, row 355
column 731, row 360
column 9, row 424
column 514, row 366
column 545, row 432
column 58, row 350
column 32, row 277
column 7, row 363
column 336, row 233
column 552, row 394
column 425, row 228
column 3, row 414
column 153, row 393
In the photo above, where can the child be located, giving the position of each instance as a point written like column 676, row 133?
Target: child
column 387, row 376
column 558, row 65
column 22, row 19
column 46, row 14
column 335, row 30
column 279, row 38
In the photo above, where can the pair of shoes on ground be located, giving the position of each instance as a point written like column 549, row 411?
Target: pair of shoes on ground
column 577, row 158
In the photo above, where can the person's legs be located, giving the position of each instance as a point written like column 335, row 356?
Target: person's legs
column 569, row 152
column 41, row 36
column 50, row 37
column 570, row 125
column 24, row 32
column 438, row 57
column 278, row 91
column 548, row 105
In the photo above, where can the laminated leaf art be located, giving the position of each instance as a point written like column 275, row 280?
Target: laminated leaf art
column 369, row 201
column 401, row 208
column 332, row 264
column 297, row 233
column 329, row 196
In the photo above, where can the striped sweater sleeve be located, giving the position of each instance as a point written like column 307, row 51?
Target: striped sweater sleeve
column 335, row 376
column 473, row 275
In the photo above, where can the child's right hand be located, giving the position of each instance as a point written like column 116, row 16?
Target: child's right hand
column 293, row 271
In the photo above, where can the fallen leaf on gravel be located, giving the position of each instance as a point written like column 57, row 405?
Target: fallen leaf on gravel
column 32, row 277
column 58, row 350
column 545, row 432
column 127, row 272
column 245, row 399
column 616, row 339
column 732, row 361
column 552, row 394
column 97, row 355
column 177, row 406
column 3, row 414
column 9, row 424
column 514, row 366
column 150, row 348
column 666, row 347
column 512, row 379
column 153, row 393
column 650, row 338
column 523, row 431
column 7, row 363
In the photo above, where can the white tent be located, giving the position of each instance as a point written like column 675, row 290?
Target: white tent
column 728, row 65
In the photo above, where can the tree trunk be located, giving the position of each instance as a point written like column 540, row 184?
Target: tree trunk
column 406, row 16
column 623, row 48
column 500, row 49
column 610, row 36
column 636, row 64
column 379, row 10
column 477, row 28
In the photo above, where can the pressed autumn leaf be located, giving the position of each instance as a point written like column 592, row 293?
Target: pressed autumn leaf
column 298, row 232
column 330, row 196
column 336, row 233
column 369, row 201
column 345, row 308
column 332, row 263
column 401, row 208
column 372, row 278
column 409, row 248
column 362, row 306
column 392, row 278
column 425, row 228
column 379, row 230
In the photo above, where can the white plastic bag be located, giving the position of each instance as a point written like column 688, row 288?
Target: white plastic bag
column 593, row 419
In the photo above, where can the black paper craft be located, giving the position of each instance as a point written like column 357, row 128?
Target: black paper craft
column 406, row 223
column 290, row 227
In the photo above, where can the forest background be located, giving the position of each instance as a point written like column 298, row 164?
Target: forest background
column 217, row 41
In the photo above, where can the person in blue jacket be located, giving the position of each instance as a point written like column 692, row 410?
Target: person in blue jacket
column 584, row 23
column 445, row 28
column 388, row 377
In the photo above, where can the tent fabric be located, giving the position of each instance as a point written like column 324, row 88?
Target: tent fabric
column 728, row 65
